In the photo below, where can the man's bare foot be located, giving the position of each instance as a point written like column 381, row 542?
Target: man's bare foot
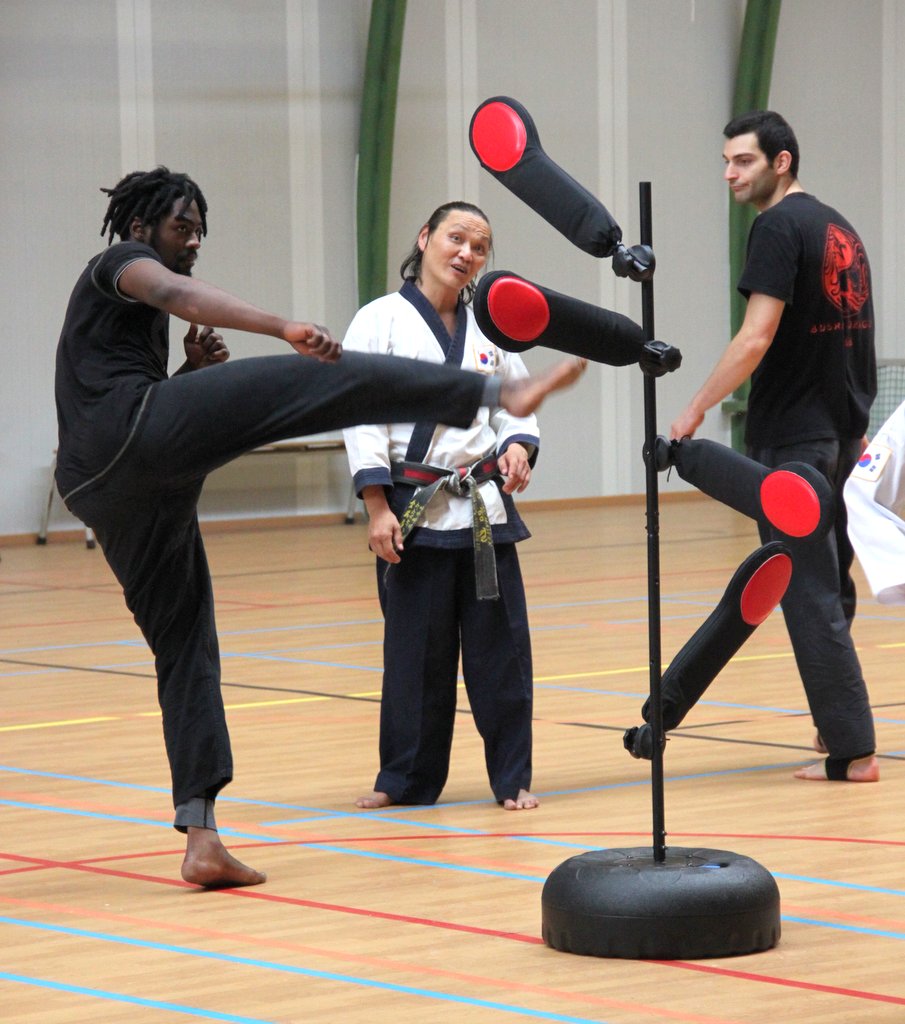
column 523, row 397
column 373, row 801
column 525, row 801
column 865, row 769
column 209, row 864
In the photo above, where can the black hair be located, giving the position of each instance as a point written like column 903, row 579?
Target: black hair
column 149, row 195
column 774, row 134
column 411, row 265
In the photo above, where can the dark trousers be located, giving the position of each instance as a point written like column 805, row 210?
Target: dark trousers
column 431, row 614
column 142, row 507
column 819, row 606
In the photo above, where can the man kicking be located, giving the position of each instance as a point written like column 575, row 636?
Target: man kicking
column 135, row 446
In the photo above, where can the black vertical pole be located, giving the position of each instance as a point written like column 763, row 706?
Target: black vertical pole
column 653, row 544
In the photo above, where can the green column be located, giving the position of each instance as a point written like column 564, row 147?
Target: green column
column 375, row 145
column 752, row 92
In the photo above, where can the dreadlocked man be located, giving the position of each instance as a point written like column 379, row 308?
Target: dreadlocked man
column 136, row 445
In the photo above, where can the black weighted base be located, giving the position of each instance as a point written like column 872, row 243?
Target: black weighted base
column 696, row 904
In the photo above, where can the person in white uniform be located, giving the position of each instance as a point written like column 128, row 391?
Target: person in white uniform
column 875, row 500
column 443, row 526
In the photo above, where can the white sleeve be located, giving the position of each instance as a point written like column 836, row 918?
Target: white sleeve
column 874, row 497
column 367, row 446
column 512, row 367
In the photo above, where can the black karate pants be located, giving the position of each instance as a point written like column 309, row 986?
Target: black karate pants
column 432, row 613
column 142, row 507
column 819, row 606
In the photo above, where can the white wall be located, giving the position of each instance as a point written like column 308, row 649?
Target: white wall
column 258, row 100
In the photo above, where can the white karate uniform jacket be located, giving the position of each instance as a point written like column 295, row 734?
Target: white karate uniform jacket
column 875, row 501
column 392, row 325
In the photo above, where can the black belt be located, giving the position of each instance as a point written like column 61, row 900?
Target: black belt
column 464, row 481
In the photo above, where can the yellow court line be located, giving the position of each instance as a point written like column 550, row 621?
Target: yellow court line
column 249, row 704
column 644, row 668
column 372, row 693
column 65, row 721
column 274, row 703
column 148, row 714
column 592, row 675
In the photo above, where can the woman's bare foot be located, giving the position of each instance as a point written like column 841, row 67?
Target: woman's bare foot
column 374, row 801
column 523, row 397
column 525, row 801
column 209, row 864
column 865, row 769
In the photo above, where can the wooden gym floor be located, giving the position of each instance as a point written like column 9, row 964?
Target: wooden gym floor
column 424, row 913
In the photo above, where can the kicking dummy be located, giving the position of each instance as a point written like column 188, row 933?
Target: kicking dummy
column 796, row 500
column 505, row 140
column 517, row 314
column 753, row 592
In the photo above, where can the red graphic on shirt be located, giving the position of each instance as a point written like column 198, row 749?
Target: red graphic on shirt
column 846, row 275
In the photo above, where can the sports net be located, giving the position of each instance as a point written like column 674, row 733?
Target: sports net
column 890, row 392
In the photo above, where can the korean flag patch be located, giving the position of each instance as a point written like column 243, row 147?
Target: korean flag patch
column 486, row 360
column 872, row 462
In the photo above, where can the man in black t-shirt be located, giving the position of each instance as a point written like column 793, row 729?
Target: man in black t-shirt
column 135, row 446
column 807, row 343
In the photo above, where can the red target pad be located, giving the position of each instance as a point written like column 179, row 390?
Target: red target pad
column 790, row 503
column 499, row 136
column 518, row 308
column 765, row 589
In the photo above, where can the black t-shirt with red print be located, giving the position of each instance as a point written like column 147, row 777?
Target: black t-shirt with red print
column 111, row 350
column 818, row 378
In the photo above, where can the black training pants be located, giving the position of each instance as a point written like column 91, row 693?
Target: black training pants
column 142, row 506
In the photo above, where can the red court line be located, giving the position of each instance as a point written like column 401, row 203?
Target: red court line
column 257, row 894
column 807, row 986
column 303, row 840
column 382, row 963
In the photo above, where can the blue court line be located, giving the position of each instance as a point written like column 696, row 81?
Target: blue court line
column 439, row 865
column 42, row 671
column 73, row 647
column 118, row 997
column 350, row 623
column 269, row 965
column 643, row 694
column 853, row 886
column 426, row 826
column 302, row 627
column 400, row 813
column 351, row 851
column 64, row 777
column 348, row 851
column 877, row 933
column 125, row 819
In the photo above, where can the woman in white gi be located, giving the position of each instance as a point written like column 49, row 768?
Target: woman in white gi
column 447, row 569
column 875, row 500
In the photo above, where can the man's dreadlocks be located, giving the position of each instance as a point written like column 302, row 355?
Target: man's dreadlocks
column 149, row 195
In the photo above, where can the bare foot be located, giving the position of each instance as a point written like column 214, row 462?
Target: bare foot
column 374, row 800
column 525, row 801
column 523, row 397
column 209, row 864
column 865, row 769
